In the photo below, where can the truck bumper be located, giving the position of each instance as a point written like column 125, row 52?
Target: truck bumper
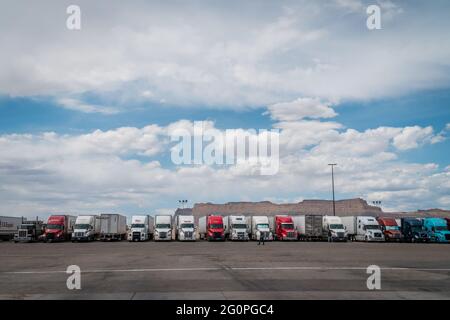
column 216, row 238
column 22, row 239
column 81, row 238
column 236, row 238
column 106, row 237
column 162, row 239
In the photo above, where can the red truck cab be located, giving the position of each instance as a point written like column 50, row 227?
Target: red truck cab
column 215, row 228
column 284, row 228
column 57, row 228
column 390, row 228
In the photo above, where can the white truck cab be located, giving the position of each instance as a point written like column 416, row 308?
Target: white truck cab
column 261, row 227
column 163, row 228
column 185, row 228
column 236, row 227
column 140, row 229
column 87, row 228
column 363, row 228
column 334, row 224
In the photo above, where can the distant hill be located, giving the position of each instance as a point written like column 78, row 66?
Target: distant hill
column 348, row 207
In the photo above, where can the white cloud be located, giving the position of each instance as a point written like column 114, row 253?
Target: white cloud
column 301, row 108
column 76, row 105
column 116, row 169
column 222, row 57
column 411, row 137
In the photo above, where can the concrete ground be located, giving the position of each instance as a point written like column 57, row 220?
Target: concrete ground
column 230, row 270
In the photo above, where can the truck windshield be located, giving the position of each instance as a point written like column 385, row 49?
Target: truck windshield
column 336, row 226
column 187, row 225
column 371, row 227
column 392, row 228
column 216, row 226
column 262, row 225
column 82, row 226
column 138, row 225
column 55, row 226
column 239, row 226
column 27, row 226
column 163, row 225
column 287, row 226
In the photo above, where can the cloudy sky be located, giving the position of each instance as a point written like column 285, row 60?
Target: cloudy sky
column 86, row 115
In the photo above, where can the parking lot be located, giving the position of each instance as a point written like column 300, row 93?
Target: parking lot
column 224, row 270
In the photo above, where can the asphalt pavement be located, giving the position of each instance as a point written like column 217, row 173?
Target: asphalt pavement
column 224, row 270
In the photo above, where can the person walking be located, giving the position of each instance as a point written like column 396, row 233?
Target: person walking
column 261, row 238
column 330, row 236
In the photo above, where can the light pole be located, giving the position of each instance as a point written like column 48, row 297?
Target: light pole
column 332, row 185
column 182, row 202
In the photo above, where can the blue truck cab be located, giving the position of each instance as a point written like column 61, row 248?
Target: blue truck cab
column 413, row 230
column 437, row 229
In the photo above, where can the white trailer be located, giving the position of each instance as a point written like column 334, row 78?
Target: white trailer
column 260, row 226
column 185, row 229
column 332, row 225
column 309, row 227
column 141, row 228
column 237, row 227
column 163, row 228
column 363, row 228
column 113, row 226
column 87, row 228
column 9, row 227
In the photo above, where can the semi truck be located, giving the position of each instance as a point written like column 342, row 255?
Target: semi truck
column 163, row 228
column 185, row 229
column 87, row 228
column 333, row 224
column 29, row 231
column 413, row 230
column 236, row 227
column 211, row 228
column 59, row 228
column 390, row 229
column 261, row 227
column 8, row 227
column 437, row 229
column 362, row 228
column 284, row 228
column 141, row 228
column 309, row 227
column 112, row 227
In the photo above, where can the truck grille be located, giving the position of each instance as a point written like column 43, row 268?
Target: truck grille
column 163, row 234
column 23, row 233
column 340, row 234
column 79, row 234
column 291, row 234
column 377, row 235
column 50, row 236
column 188, row 234
column 217, row 235
column 241, row 234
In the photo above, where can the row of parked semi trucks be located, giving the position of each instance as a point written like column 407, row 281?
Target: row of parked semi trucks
column 233, row 227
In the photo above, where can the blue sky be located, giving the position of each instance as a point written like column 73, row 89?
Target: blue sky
column 86, row 115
